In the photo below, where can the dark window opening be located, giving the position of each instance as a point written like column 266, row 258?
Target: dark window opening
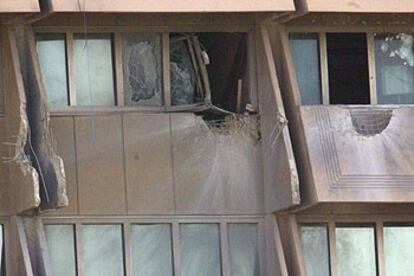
column 227, row 69
column 348, row 68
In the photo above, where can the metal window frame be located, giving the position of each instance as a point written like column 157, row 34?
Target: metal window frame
column 174, row 221
column 117, row 32
column 378, row 223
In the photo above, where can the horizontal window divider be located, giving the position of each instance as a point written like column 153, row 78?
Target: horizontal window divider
column 147, row 28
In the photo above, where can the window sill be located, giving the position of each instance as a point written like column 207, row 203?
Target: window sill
column 104, row 110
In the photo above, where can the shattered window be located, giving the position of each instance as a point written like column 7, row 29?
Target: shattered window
column 142, row 66
column 94, row 69
column 305, row 55
column 183, row 75
column 51, row 50
column 394, row 62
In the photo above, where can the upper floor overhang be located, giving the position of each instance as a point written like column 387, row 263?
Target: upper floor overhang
column 20, row 6
column 171, row 6
column 357, row 6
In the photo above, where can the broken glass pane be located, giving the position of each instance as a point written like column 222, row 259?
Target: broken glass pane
column 315, row 249
column 51, row 50
column 398, row 249
column 61, row 245
column 200, row 250
column 102, row 250
column 355, row 251
column 244, row 257
column 394, row 62
column 142, row 62
column 183, row 78
column 305, row 55
column 151, row 250
column 94, row 69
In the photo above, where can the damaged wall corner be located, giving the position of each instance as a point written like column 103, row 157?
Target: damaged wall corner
column 280, row 173
column 37, row 142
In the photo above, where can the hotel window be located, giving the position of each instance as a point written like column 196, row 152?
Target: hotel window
column 357, row 248
column 354, row 68
column 394, row 65
column 146, row 70
column 142, row 248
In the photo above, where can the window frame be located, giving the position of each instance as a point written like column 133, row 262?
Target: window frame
column 174, row 222
column 377, row 222
column 165, row 32
column 369, row 31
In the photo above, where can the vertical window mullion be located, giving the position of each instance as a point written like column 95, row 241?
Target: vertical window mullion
column 79, row 249
column 371, row 67
column 166, row 69
column 127, row 248
column 379, row 240
column 119, row 76
column 176, row 248
column 71, row 68
column 323, row 53
column 332, row 247
column 224, row 248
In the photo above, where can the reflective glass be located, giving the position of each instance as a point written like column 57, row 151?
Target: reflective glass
column 305, row 54
column 102, row 250
column 394, row 62
column 51, row 50
column 200, row 250
column 244, row 256
column 94, row 69
column 315, row 249
column 61, row 245
column 151, row 250
column 398, row 250
column 355, row 251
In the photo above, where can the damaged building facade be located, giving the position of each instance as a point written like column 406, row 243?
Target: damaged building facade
column 206, row 138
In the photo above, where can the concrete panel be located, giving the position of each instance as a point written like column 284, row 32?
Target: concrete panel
column 173, row 6
column 359, row 6
column 100, row 165
column 63, row 133
column 361, row 154
column 148, row 164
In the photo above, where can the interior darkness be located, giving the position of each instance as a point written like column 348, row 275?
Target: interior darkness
column 348, row 68
column 228, row 65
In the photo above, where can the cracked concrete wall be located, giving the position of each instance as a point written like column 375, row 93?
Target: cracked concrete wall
column 40, row 147
column 36, row 174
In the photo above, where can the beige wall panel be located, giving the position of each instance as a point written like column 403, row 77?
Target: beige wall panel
column 63, row 133
column 148, row 164
column 173, row 6
column 379, row 6
column 100, row 166
column 18, row 6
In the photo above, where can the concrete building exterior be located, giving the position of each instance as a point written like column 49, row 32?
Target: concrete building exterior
column 228, row 138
